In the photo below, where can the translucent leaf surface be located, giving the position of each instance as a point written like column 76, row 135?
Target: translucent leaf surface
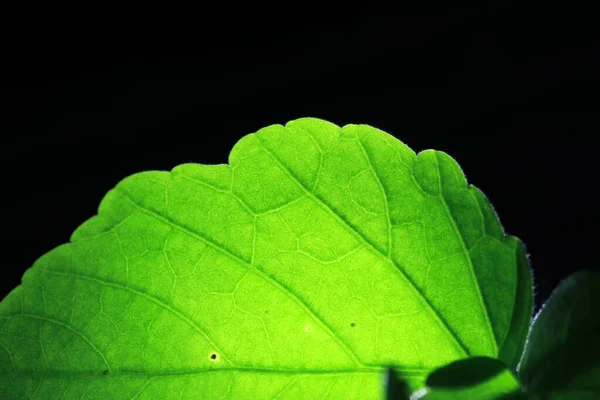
column 562, row 357
column 319, row 257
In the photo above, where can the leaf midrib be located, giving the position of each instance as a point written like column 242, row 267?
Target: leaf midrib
column 193, row 372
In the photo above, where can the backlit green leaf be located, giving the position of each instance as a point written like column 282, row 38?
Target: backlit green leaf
column 478, row 378
column 562, row 356
column 315, row 260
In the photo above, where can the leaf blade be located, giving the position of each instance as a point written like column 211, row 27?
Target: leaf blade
column 317, row 249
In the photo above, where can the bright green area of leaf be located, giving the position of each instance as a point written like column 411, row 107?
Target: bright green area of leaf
column 562, row 356
column 478, row 378
column 318, row 258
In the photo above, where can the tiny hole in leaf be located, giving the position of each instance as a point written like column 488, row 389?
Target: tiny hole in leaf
column 214, row 357
column 105, row 372
column 353, row 324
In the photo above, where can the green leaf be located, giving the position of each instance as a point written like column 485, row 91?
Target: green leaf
column 315, row 260
column 478, row 378
column 562, row 356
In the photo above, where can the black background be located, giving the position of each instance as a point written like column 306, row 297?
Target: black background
column 511, row 94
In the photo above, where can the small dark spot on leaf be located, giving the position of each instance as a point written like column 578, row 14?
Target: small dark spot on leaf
column 353, row 324
column 213, row 356
column 105, row 372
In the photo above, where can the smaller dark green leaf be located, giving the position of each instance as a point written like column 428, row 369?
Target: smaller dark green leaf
column 395, row 387
column 562, row 355
column 478, row 378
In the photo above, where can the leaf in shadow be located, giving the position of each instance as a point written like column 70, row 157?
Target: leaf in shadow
column 395, row 387
column 477, row 378
column 562, row 355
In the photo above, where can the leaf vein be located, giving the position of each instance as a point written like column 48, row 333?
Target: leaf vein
column 153, row 299
column 353, row 231
column 467, row 257
column 383, row 195
column 68, row 327
column 232, row 369
column 285, row 290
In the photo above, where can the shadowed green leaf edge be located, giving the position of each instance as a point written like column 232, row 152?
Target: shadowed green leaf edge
column 562, row 355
